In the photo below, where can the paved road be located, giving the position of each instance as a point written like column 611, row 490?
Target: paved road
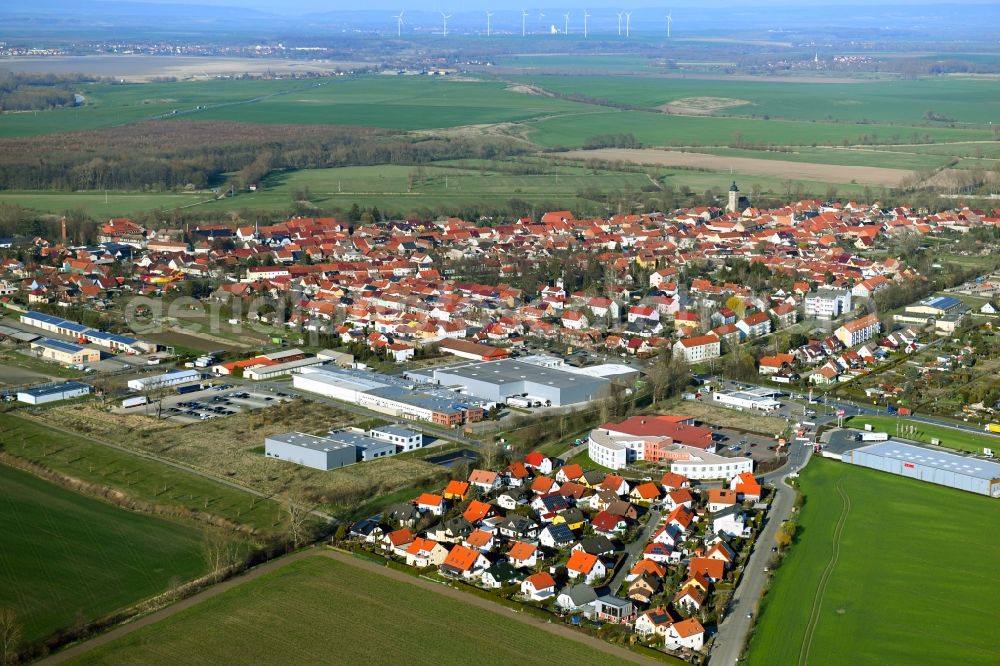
column 732, row 631
column 618, row 654
column 634, row 550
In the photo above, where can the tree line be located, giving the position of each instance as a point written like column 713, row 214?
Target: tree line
column 26, row 91
column 169, row 155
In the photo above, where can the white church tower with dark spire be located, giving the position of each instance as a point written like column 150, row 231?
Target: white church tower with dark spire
column 734, row 198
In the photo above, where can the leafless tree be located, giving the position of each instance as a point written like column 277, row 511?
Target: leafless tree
column 221, row 553
column 10, row 636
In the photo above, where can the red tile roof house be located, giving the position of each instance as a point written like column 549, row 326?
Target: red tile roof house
column 569, row 473
column 686, row 633
column 539, row 586
column 746, row 487
column 522, row 555
column 464, row 562
column 430, row 502
column 590, row 567
column 485, row 480
column 539, row 462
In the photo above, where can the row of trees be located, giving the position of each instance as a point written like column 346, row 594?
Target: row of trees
column 166, row 155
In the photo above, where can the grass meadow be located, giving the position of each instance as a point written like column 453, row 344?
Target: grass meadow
column 885, row 570
column 949, row 438
column 321, row 611
column 140, row 478
column 66, row 558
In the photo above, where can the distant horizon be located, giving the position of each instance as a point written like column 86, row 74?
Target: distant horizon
column 307, row 7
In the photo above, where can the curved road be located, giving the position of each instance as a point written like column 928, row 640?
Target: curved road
column 732, row 631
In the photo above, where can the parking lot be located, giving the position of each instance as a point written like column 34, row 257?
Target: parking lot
column 731, row 443
column 211, row 403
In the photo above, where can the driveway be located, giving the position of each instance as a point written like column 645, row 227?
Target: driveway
column 634, row 550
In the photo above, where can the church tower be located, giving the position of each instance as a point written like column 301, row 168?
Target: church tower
column 734, row 197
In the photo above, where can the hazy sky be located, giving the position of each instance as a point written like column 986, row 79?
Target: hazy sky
column 304, row 6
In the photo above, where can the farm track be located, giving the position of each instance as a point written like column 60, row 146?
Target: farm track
column 611, row 651
column 825, row 578
column 174, row 464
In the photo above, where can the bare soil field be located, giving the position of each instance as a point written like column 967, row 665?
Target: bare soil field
column 142, row 68
column 728, row 418
column 232, row 448
column 701, row 106
column 775, row 168
column 14, row 376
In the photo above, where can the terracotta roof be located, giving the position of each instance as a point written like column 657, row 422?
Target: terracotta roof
column 581, row 561
column 461, row 558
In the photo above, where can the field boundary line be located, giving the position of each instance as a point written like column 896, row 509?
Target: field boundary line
column 434, row 587
column 825, row 578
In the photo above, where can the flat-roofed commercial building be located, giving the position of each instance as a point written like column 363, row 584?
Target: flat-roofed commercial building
column 164, row 380
column 66, row 353
column 39, row 395
column 316, row 452
column 498, row 380
column 974, row 475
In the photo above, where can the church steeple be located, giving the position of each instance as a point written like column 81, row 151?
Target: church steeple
column 734, row 197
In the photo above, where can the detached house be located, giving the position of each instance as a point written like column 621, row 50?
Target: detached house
column 686, row 634
column 539, row 586
column 589, row 567
column 465, row 563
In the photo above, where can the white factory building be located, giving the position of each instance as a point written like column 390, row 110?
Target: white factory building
column 760, row 400
column 164, row 380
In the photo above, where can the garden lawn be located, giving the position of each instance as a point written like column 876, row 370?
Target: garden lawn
column 65, row 557
column 913, row 583
column 950, row 438
column 321, row 611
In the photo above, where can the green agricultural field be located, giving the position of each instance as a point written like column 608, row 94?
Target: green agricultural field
column 405, row 190
column 951, row 438
column 891, row 159
column 898, row 101
column 656, row 129
column 141, row 478
column 885, row 570
column 318, row 610
column 376, row 101
column 66, row 558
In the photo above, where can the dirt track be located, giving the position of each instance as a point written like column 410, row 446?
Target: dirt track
column 616, row 652
column 747, row 165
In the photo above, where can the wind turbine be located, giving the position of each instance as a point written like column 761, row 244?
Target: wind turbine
column 489, row 14
column 585, row 17
column 399, row 23
column 628, row 23
column 669, row 21
column 444, row 18
column 566, row 28
column 524, row 17
column 619, row 24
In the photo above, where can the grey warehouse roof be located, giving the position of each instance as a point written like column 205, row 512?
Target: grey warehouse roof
column 950, row 462
column 309, row 441
column 53, row 389
column 509, row 372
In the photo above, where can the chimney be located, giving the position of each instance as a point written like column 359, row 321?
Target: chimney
column 62, row 224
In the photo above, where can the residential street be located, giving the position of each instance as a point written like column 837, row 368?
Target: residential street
column 733, row 630
column 634, row 550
